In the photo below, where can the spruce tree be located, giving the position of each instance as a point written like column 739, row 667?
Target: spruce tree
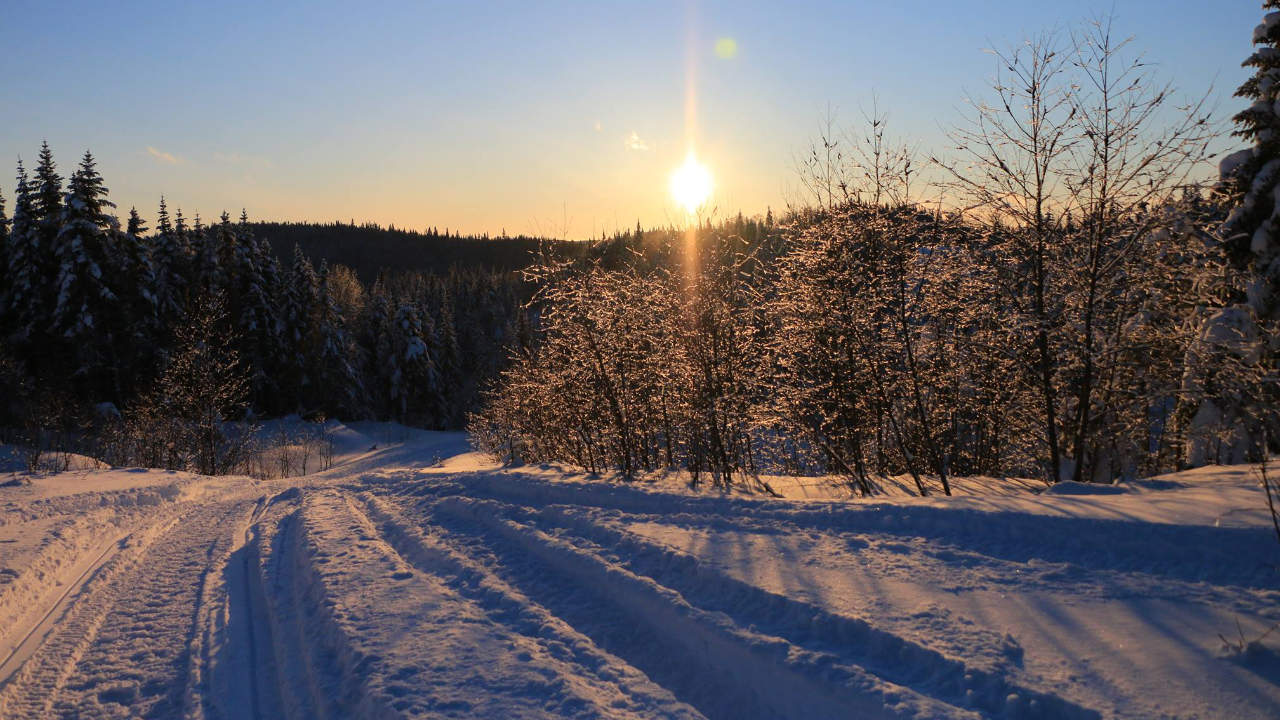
column 334, row 368
column 47, row 206
column 1249, row 178
column 4, row 224
column 45, row 216
column 172, row 257
column 414, row 382
column 1249, row 181
column 88, row 312
column 4, row 256
column 255, row 314
column 450, row 369
column 383, row 365
column 19, row 305
column 299, row 302
column 140, row 284
column 136, row 226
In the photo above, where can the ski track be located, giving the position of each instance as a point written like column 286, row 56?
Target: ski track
column 130, row 643
column 523, row 660
column 421, row 593
column 784, row 658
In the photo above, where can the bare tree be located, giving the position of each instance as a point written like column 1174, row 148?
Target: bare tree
column 1012, row 155
column 1128, row 159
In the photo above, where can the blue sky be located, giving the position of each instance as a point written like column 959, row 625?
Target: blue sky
column 550, row 117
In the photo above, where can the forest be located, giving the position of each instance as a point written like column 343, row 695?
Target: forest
column 113, row 328
column 1086, row 307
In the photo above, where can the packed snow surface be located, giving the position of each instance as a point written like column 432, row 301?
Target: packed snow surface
column 416, row 579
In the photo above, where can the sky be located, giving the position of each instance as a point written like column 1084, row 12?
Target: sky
column 549, row 118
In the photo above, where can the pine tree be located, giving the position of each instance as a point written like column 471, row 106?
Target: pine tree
column 254, row 278
column 1250, row 177
column 4, row 258
column 19, row 298
column 336, row 383
column 47, row 206
column 88, row 312
column 1239, row 347
column 172, row 257
column 449, row 367
column 414, row 382
column 136, row 226
column 301, row 293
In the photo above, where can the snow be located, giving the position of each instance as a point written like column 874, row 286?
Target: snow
column 1232, row 162
column 416, row 578
column 1263, row 30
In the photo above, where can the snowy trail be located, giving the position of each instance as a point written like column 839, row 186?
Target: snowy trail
column 127, row 639
column 30, row 635
column 411, row 582
column 250, row 688
column 525, row 661
column 759, row 633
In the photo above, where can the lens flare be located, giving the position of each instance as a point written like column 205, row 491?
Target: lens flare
column 691, row 184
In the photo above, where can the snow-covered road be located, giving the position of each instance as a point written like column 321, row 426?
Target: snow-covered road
column 415, row 580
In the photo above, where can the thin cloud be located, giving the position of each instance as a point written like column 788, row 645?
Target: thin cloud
column 162, row 156
column 633, row 142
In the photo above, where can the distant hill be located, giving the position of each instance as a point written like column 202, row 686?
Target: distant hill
column 370, row 248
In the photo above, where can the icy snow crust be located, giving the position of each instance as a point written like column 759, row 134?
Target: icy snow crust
column 416, row 579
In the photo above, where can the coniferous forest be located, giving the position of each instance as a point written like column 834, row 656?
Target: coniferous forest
column 95, row 311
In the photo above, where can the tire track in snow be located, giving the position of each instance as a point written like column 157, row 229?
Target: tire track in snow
column 887, row 655
column 58, row 607
column 244, row 668
column 707, row 660
column 304, row 671
column 148, row 659
column 1119, row 546
column 32, row 689
column 132, row 645
column 534, row 664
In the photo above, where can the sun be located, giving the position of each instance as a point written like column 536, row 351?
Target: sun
column 691, row 184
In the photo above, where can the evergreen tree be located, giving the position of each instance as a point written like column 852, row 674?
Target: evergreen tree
column 336, row 385
column 382, row 364
column 1250, row 177
column 1234, row 363
column 172, row 258
column 45, row 218
column 136, row 226
column 47, row 206
column 88, row 312
column 4, row 224
column 414, row 382
column 140, row 284
column 19, row 298
column 299, row 302
column 452, row 392
column 254, row 278
column 4, row 258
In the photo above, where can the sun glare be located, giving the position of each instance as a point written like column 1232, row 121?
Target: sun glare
column 691, row 184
